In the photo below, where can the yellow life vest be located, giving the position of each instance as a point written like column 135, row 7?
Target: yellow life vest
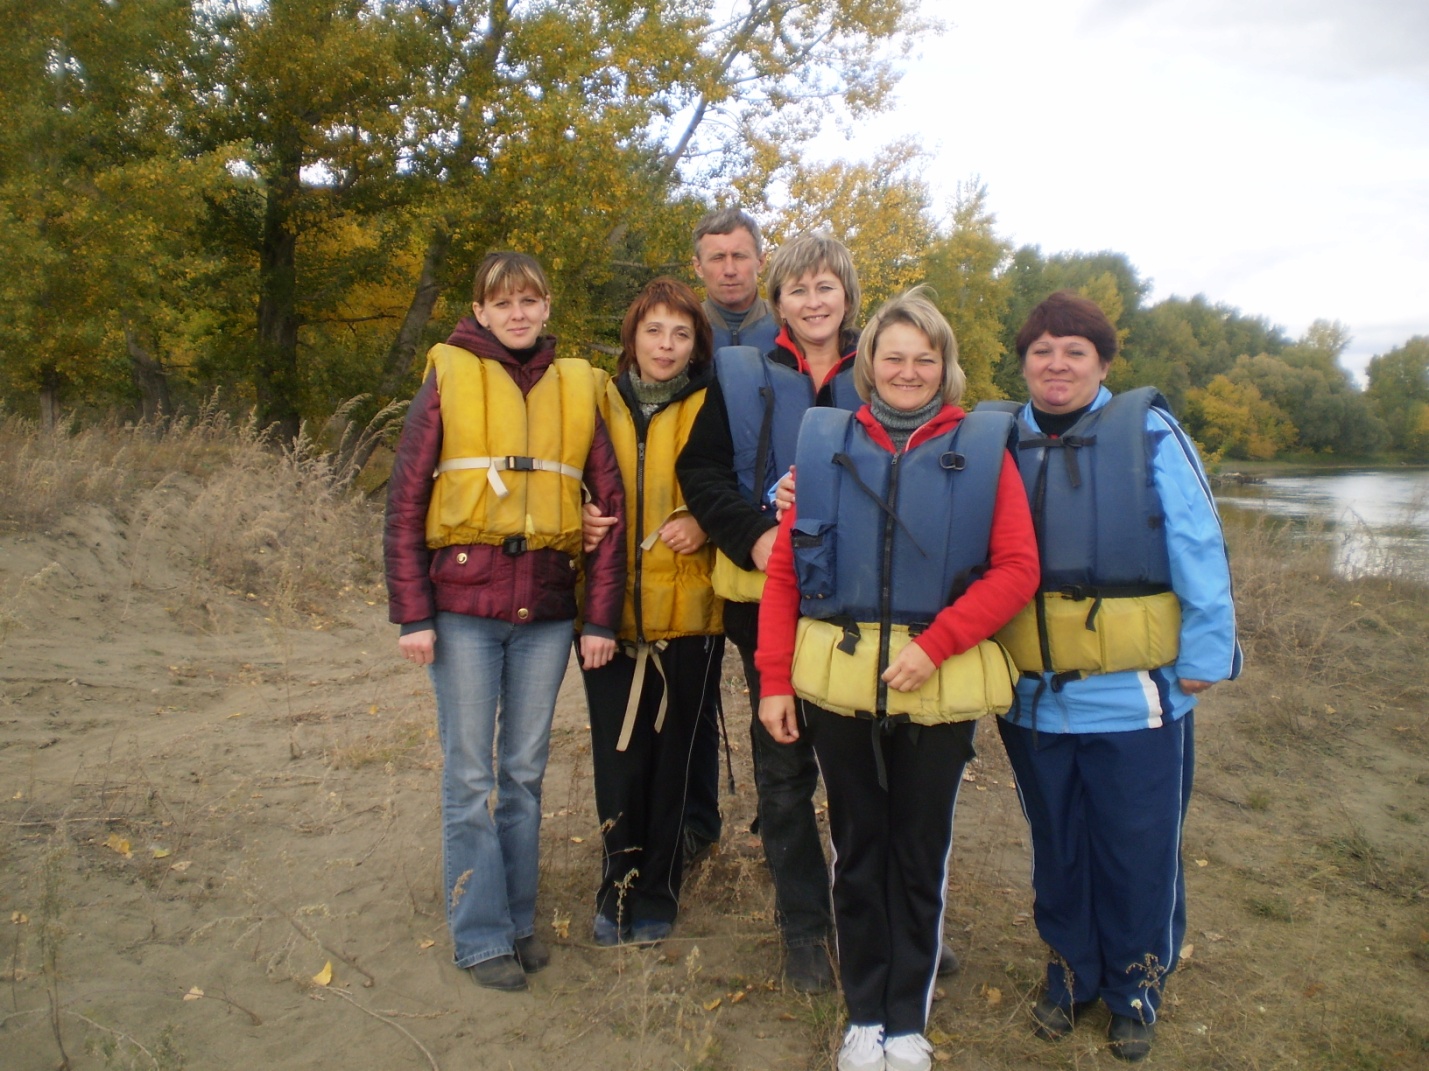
column 510, row 465
column 1096, row 635
column 966, row 686
column 673, row 591
column 736, row 584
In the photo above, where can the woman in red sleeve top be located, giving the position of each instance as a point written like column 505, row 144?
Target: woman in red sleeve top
column 911, row 545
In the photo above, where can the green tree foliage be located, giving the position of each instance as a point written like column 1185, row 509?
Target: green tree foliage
column 94, row 201
column 966, row 271
column 322, row 174
column 1399, row 391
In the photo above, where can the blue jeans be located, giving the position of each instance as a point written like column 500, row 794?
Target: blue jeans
column 490, row 861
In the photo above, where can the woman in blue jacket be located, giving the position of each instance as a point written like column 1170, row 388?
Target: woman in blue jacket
column 1133, row 620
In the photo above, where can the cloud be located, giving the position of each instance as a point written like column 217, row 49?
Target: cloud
column 1323, row 39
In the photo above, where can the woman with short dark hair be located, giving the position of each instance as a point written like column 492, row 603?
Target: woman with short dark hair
column 1132, row 620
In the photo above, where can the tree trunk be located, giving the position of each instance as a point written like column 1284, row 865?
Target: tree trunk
column 419, row 313
column 276, row 379
column 150, row 379
column 49, row 398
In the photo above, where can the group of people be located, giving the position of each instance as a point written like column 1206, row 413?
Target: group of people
column 890, row 567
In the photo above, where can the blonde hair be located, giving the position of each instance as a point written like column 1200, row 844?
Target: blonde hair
column 915, row 309
column 809, row 254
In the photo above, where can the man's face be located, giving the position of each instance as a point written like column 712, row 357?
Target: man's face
column 729, row 267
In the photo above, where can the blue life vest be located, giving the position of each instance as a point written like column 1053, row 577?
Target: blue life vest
column 892, row 538
column 766, row 401
column 1094, row 486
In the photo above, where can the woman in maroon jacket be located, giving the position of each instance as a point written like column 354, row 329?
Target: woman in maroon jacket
column 483, row 551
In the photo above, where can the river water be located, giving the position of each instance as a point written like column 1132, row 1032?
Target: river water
column 1378, row 519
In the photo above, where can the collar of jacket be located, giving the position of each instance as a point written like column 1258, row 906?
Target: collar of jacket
column 472, row 337
column 947, row 418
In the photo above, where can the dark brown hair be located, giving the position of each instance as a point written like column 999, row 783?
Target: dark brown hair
column 1068, row 313
column 678, row 298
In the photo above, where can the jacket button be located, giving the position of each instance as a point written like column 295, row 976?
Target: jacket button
column 522, row 614
column 461, row 558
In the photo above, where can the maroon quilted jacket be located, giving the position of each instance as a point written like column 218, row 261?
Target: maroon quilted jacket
column 539, row 585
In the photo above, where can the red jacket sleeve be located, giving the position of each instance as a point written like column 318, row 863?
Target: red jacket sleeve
column 778, row 615
column 605, row 566
column 1008, row 585
column 409, row 491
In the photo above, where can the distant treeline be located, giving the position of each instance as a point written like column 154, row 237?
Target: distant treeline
column 281, row 202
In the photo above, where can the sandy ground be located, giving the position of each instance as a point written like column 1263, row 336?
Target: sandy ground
column 208, row 800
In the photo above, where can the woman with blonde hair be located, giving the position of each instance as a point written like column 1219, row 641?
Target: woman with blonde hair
column 910, row 545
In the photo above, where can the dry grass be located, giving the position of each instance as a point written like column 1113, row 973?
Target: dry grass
column 314, row 837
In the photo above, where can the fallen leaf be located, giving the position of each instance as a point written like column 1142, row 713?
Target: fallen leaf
column 577, row 840
column 182, row 865
column 425, row 944
column 372, row 709
column 161, row 853
column 737, row 996
column 1211, row 935
column 561, row 924
column 1329, row 709
column 194, row 993
column 993, row 995
column 236, row 714
column 324, row 976
column 1187, row 951
column 937, row 1037
column 711, row 1005
column 119, row 844
column 1203, row 862
column 19, row 918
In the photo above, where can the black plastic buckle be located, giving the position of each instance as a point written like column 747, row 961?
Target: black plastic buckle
column 521, row 464
column 514, row 546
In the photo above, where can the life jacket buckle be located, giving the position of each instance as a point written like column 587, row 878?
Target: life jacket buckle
column 520, row 464
column 514, row 546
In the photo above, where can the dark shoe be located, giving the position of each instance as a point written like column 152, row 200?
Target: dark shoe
column 948, row 962
column 808, row 970
column 1130, row 1038
column 650, row 932
column 503, row 973
column 533, row 954
column 608, row 934
column 697, row 849
column 1053, row 1022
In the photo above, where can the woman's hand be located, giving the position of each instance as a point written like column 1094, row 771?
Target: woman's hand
column 596, row 651
column 763, row 547
column 1193, row 687
column 419, row 647
column 910, row 670
column 593, row 526
column 784, row 494
column 683, row 535
column 776, row 714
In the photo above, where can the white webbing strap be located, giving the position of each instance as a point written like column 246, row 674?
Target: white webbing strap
column 643, row 654
column 494, row 465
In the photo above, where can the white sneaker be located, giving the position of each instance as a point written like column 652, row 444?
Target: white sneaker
column 862, row 1049
column 907, row 1052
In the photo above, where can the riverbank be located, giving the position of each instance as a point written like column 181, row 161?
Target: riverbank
column 219, row 842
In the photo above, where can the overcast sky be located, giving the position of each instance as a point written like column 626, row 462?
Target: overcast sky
column 1270, row 154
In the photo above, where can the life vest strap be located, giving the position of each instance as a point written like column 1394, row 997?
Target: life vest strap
column 512, row 463
column 643, row 653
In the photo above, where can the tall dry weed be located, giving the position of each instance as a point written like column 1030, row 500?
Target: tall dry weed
column 242, row 512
